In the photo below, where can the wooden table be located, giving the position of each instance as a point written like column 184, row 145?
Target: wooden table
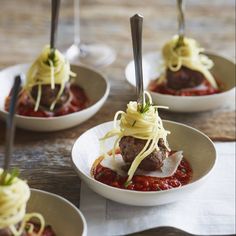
column 44, row 158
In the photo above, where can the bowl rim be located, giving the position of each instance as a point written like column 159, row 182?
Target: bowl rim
column 104, row 96
column 53, row 195
column 230, row 60
column 128, row 191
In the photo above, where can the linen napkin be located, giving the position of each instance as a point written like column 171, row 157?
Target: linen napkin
column 210, row 210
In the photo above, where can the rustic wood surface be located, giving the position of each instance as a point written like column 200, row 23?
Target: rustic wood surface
column 44, row 158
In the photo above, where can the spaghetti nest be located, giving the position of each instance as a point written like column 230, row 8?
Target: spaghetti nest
column 49, row 68
column 141, row 123
column 188, row 54
column 13, row 200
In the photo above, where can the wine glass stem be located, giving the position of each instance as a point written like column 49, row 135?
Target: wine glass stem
column 76, row 23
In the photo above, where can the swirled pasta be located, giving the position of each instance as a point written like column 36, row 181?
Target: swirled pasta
column 13, row 200
column 49, row 68
column 188, row 54
column 141, row 124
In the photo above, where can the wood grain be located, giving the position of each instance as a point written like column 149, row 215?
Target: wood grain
column 44, row 158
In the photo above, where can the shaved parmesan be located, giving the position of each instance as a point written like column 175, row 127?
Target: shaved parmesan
column 169, row 167
column 115, row 165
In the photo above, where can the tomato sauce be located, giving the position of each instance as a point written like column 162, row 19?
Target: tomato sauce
column 181, row 177
column 77, row 101
column 162, row 88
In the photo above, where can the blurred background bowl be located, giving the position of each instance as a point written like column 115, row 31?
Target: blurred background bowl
column 95, row 85
column 62, row 215
column 224, row 70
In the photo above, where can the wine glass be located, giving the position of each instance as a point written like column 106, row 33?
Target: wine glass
column 94, row 54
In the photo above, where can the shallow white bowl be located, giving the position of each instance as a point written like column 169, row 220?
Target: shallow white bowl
column 62, row 215
column 224, row 69
column 198, row 150
column 95, row 85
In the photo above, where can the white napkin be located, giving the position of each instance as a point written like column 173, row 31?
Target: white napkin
column 210, row 210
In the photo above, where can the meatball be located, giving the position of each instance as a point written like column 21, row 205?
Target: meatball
column 183, row 78
column 130, row 147
column 49, row 95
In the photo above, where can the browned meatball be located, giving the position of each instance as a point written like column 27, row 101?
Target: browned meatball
column 183, row 78
column 49, row 95
column 130, row 147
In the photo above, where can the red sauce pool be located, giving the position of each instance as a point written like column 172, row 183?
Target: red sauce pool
column 181, row 177
column 77, row 101
column 162, row 88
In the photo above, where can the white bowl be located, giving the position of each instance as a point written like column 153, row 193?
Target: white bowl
column 224, row 69
column 95, row 85
column 198, row 150
column 62, row 215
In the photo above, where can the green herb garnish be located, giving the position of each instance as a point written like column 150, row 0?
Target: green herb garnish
column 27, row 228
column 127, row 183
column 7, row 179
column 51, row 57
column 144, row 108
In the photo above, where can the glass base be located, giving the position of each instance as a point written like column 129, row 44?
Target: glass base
column 94, row 55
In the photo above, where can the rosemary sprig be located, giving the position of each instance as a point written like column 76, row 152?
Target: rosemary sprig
column 5, row 180
column 127, row 183
column 144, row 108
column 51, row 57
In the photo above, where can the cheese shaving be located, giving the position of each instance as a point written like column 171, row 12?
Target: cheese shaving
column 46, row 71
column 147, row 126
column 189, row 55
column 169, row 167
